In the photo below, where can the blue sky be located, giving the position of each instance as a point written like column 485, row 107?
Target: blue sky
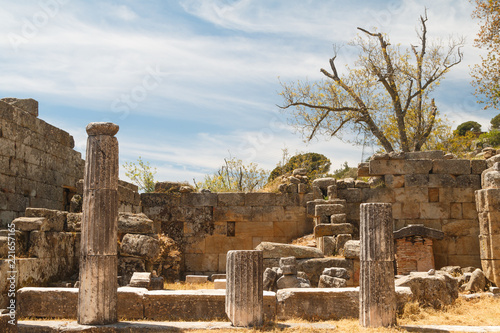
column 192, row 81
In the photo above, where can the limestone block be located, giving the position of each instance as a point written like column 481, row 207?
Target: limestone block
column 214, row 277
column 129, row 223
column 412, row 180
column 491, row 269
column 489, row 222
column 327, row 245
column 411, row 195
column 52, row 245
column 434, row 210
column 321, row 230
column 352, row 249
column 292, row 188
column 302, row 188
column 140, row 280
column 453, row 167
column 47, row 302
column 159, row 199
column 488, row 200
column 54, row 219
column 220, row 284
column 478, row 166
column 363, row 169
column 442, row 180
column 74, row 222
column 130, row 303
column 29, row 223
column 417, row 166
column 323, row 183
column 340, row 241
column 329, row 209
column 244, row 292
column 234, row 213
column 260, row 199
column 425, row 155
column 477, row 282
column 269, row 279
column 140, row 245
column 350, row 194
column 337, row 272
column 492, row 160
column 326, row 281
column 199, row 199
column 127, row 266
column 230, row 199
column 338, row 219
column 314, row 268
column 8, row 321
column 469, row 181
column 291, row 281
column 317, row 304
column 385, row 167
column 278, row 250
column 361, row 184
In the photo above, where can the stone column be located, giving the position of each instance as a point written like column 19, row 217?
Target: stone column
column 377, row 295
column 488, row 209
column 98, row 252
column 244, row 289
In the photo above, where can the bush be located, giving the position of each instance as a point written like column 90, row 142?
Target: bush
column 316, row 165
column 468, row 126
column 490, row 139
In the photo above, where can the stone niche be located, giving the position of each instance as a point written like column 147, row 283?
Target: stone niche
column 413, row 245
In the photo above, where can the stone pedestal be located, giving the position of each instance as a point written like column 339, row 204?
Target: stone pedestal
column 488, row 209
column 244, row 288
column 98, row 253
column 377, row 295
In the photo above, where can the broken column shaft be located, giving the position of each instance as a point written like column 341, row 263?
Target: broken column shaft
column 98, row 252
column 377, row 296
column 244, row 288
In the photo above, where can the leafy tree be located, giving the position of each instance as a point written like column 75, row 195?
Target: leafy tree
column 468, row 126
column 234, row 176
column 345, row 171
column 486, row 77
column 495, row 122
column 141, row 174
column 490, row 139
column 451, row 142
column 386, row 95
column 315, row 164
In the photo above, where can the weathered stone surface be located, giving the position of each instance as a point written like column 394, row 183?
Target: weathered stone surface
column 418, row 230
column 326, row 281
column 478, row 166
column 97, row 298
column 54, row 219
column 323, row 183
column 352, row 249
column 377, row 299
column 270, row 278
column 220, row 284
column 140, row 280
column 315, row 267
column 425, row 155
column 29, row 223
column 129, row 223
column 140, row 245
column 435, row 290
column 340, row 242
column 477, row 282
column 338, row 272
column 326, row 244
column 127, row 266
column 338, row 219
column 244, row 291
column 490, row 178
column 317, row 304
column 278, row 250
column 291, row 281
column 454, row 167
column 47, row 302
column 196, row 278
column 452, row 270
column 51, row 245
column 74, row 222
column 321, row 230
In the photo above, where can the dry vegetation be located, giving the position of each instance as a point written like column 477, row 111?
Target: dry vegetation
column 187, row 286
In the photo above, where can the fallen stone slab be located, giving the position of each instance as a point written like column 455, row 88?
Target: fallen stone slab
column 54, row 326
column 129, row 223
column 325, row 303
column 63, row 302
column 450, row 328
column 196, row 278
column 278, row 250
column 29, row 223
column 192, row 305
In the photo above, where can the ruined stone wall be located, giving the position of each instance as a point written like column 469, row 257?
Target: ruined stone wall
column 430, row 189
column 207, row 225
column 38, row 165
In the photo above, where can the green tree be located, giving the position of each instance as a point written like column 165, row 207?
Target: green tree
column 141, row 174
column 468, row 126
column 387, row 94
column 235, row 176
column 495, row 122
column 345, row 171
column 316, row 165
column 486, row 77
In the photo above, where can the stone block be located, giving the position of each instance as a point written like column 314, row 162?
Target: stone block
column 434, row 210
column 352, row 249
column 47, row 302
column 129, row 223
column 478, row 166
column 456, row 210
column 442, row 180
column 260, row 199
column 469, row 210
column 338, row 219
column 127, row 266
column 285, row 229
column 29, row 223
column 453, row 167
column 329, row 209
column 350, row 194
column 314, row 267
column 196, row 278
column 51, row 245
column 199, row 199
column 469, row 181
column 54, row 219
column 234, row 214
column 220, row 284
column 340, row 241
column 387, row 167
column 412, row 180
column 231, row 199
column 317, row 303
column 277, row 250
column 140, row 246
column 321, row 230
column 425, row 155
column 418, row 166
column 160, row 199
column 208, row 262
column 411, row 194
column 323, row 183
column 130, row 303
column 363, row 170
column 489, row 222
column 488, row 200
column 433, row 194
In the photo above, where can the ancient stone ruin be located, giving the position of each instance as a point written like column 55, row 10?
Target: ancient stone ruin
column 436, row 227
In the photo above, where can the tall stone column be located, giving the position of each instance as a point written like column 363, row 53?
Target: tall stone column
column 377, row 295
column 244, row 288
column 98, row 252
column 488, row 209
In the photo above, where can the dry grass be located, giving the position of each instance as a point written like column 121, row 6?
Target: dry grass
column 187, row 286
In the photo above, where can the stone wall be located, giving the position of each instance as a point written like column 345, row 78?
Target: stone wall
column 38, row 165
column 207, row 225
column 426, row 188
